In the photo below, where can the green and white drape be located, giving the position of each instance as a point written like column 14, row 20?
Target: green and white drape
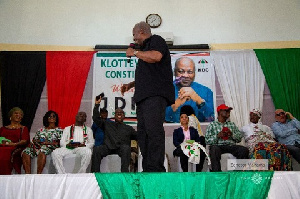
column 282, row 71
column 242, row 77
column 239, row 73
column 222, row 185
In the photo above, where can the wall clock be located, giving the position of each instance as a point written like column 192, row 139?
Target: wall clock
column 154, row 20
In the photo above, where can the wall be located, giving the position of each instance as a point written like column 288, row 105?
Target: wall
column 90, row 22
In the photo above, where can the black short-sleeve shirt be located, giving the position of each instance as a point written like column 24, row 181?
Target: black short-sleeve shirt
column 154, row 79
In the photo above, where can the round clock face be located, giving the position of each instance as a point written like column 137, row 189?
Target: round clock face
column 154, row 20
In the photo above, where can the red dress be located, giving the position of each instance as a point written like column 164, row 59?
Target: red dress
column 10, row 157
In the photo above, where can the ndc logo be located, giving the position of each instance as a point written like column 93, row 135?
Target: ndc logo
column 203, row 68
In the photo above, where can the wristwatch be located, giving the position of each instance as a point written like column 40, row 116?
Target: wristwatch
column 135, row 52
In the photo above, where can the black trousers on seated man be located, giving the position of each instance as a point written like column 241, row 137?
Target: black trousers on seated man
column 99, row 152
column 294, row 151
column 184, row 160
column 215, row 152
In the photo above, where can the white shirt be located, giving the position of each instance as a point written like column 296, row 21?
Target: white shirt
column 251, row 128
column 77, row 136
column 187, row 135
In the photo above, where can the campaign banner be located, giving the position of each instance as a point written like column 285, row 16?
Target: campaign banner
column 112, row 69
column 193, row 73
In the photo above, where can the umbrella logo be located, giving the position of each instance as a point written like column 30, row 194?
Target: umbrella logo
column 203, row 62
column 203, row 68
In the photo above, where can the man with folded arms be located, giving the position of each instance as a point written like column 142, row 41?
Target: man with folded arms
column 222, row 136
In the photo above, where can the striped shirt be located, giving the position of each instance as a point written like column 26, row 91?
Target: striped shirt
column 215, row 127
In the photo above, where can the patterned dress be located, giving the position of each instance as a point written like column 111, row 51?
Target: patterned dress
column 261, row 144
column 47, row 135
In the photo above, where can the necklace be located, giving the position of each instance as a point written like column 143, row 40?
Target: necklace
column 17, row 126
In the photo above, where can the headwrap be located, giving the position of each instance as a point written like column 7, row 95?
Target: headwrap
column 257, row 112
column 187, row 109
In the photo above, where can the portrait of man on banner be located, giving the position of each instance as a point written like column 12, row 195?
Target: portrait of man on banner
column 194, row 81
column 194, row 86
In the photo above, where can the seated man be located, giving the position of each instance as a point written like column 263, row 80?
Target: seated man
column 77, row 139
column 286, row 130
column 97, row 131
column 222, row 136
column 117, row 139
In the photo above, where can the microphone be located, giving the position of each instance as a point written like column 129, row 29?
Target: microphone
column 177, row 80
column 131, row 45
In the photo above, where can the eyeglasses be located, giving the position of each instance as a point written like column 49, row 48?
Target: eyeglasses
column 280, row 114
column 181, row 71
column 52, row 116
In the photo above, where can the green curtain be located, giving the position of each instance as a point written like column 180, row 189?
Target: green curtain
column 281, row 68
column 208, row 185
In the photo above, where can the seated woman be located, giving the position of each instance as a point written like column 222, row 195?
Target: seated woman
column 260, row 141
column 183, row 134
column 16, row 139
column 43, row 143
column 193, row 120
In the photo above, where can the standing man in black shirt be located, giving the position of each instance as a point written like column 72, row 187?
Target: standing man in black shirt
column 117, row 139
column 154, row 91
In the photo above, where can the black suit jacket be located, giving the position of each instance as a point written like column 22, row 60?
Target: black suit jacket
column 178, row 136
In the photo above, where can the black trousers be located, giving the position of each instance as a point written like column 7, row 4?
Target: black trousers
column 215, row 152
column 151, row 133
column 295, row 152
column 184, row 160
column 102, row 151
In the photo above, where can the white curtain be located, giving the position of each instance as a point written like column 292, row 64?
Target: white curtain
column 242, row 82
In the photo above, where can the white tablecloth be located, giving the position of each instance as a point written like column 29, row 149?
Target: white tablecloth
column 285, row 184
column 49, row 186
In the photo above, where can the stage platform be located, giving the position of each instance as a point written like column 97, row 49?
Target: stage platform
column 229, row 185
